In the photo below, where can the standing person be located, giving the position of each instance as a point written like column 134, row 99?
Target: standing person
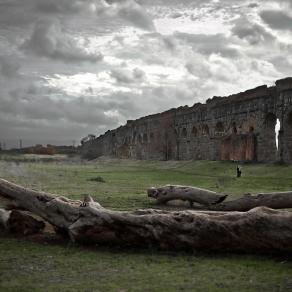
column 238, row 171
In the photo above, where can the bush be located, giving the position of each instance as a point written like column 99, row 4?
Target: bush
column 97, row 179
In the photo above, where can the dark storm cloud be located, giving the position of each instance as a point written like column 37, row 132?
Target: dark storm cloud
column 135, row 14
column 253, row 5
column 277, row 19
column 252, row 32
column 8, row 67
column 25, row 12
column 37, row 104
column 127, row 10
column 49, row 40
column 64, row 6
column 40, row 108
column 208, row 44
column 128, row 76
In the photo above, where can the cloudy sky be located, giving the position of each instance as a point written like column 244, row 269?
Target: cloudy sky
column 73, row 67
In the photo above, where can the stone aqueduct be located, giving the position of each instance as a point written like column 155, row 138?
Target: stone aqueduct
column 239, row 127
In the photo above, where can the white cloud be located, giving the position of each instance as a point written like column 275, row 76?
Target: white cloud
column 50, row 40
column 252, row 32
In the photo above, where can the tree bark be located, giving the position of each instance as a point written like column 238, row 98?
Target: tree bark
column 191, row 194
column 276, row 200
column 20, row 223
column 260, row 229
column 214, row 201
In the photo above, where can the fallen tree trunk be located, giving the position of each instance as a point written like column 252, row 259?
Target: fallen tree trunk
column 260, row 229
column 20, row 223
column 214, row 201
column 191, row 194
column 276, row 200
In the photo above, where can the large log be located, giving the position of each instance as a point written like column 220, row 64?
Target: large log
column 213, row 201
column 276, row 200
column 191, row 194
column 260, row 229
column 20, row 223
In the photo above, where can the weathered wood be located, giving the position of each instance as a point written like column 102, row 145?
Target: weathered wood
column 191, row 194
column 20, row 223
column 260, row 229
column 276, row 200
column 214, row 201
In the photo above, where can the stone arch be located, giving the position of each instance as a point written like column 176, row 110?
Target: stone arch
column 248, row 126
column 134, row 137
column 289, row 121
column 233, row 128
column 219, row 128
column 139, row 138
column 194, row 131
column 285, row 137
column 270, row 121
column 184, row 132
column 151, row 137
column 268, row 145
column 205, row 130
column 145, row 138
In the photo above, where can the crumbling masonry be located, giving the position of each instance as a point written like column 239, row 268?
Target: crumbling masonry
column 239, row 127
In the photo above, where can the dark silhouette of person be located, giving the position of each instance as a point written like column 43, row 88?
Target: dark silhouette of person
column 238, row 171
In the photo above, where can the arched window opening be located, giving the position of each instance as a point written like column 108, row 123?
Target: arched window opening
column 139, row 138
column 194, row 132
column 219, row 129
column 127, row 140
column 277, row 130
column 234, row 128
column 290, row 119
column 205, row 130
column 151, row 137
column 134, row 137
column 271, row 125
column 270, row 121
column 145, row 138
column 184, row 132
column 251, row 129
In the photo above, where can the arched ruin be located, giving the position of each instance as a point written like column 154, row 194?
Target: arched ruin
column 238, row 127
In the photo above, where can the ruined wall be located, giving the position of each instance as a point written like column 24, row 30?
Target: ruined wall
column 238, row 127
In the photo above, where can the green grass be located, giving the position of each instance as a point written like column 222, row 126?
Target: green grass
column 40, row 266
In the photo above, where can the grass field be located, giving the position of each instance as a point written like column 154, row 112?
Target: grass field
column 27, row 265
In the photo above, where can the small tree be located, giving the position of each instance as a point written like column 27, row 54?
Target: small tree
column 88, row 138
